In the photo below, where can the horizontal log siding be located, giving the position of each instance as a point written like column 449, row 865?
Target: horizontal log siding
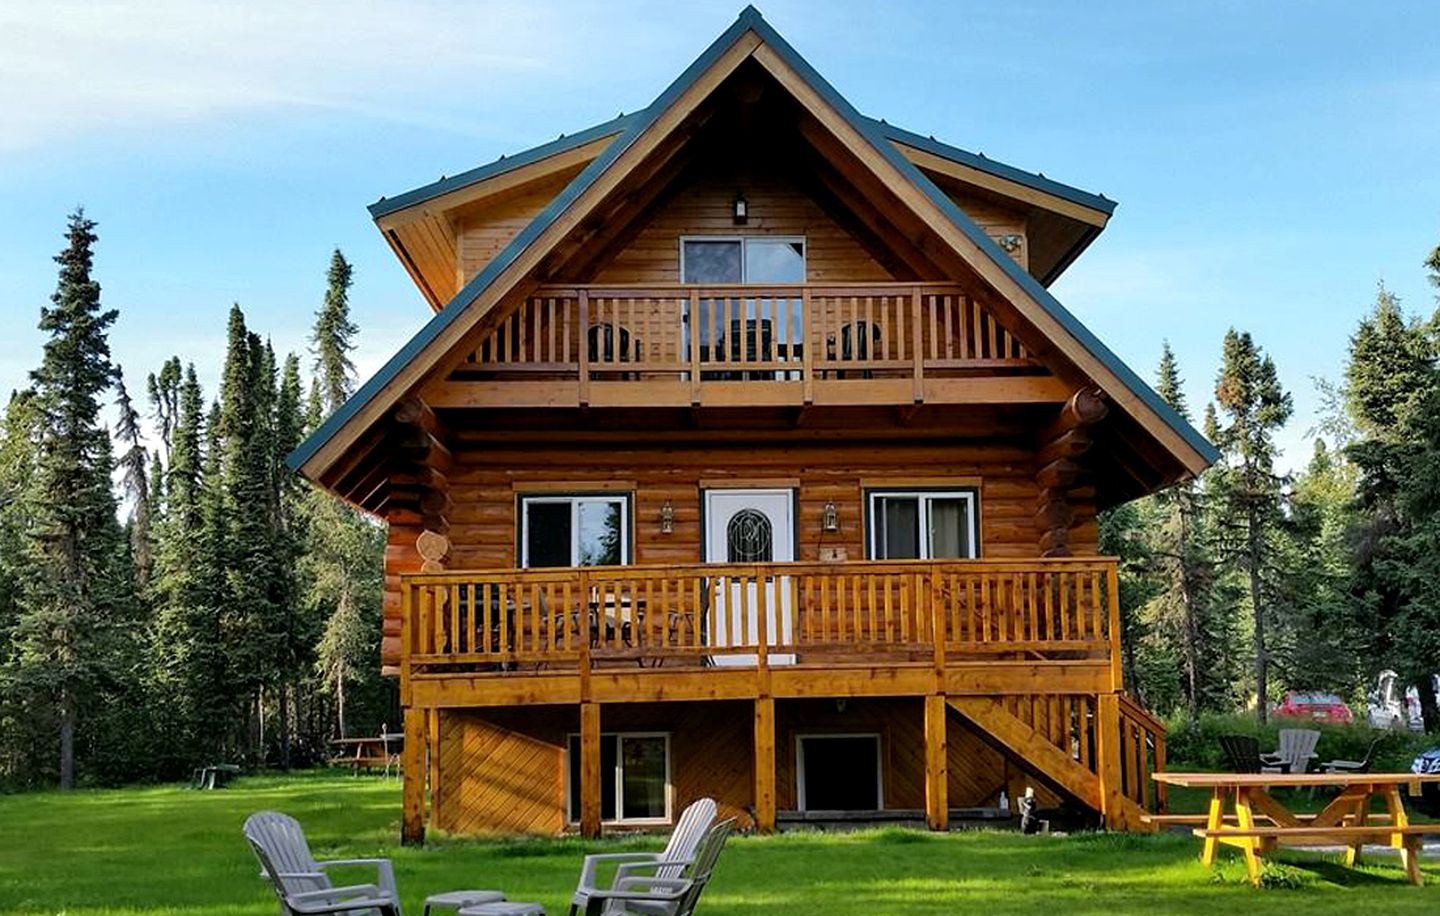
column 485, row 482
column 776, row 207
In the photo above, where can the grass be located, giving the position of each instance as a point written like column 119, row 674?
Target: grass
column 168, row 850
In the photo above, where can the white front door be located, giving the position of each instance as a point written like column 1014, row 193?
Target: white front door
column 750, row 526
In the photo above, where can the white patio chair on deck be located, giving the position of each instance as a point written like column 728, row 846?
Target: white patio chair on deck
column 667, row 864
column 301, row 882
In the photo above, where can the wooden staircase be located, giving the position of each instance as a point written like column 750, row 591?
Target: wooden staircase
column 1099, row 750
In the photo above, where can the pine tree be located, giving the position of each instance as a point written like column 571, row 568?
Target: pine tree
column 332, row 339
column 134, row 466
column 72, row 605
column 1255, row 405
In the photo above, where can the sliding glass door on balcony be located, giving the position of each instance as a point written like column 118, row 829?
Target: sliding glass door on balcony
column 762, row 330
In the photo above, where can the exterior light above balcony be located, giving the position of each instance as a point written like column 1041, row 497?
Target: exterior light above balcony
column 667, row 518
column 742, row 209
column 830, row 518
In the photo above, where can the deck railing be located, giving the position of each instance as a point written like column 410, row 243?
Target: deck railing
column 759, row 615
column 748, row 333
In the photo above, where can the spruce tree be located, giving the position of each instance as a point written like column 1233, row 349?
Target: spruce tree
column 163, row 390
column 135, row 480
column 332, row 340
column 72, row 602
column 1255, row 406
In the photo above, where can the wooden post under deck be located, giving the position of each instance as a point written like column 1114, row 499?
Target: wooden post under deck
column 412, row 825
column 937, row 775
column 1107, row 741
column 765, row 764
column 590, row 770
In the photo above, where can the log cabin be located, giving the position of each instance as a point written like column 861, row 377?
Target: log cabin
column 747, row 454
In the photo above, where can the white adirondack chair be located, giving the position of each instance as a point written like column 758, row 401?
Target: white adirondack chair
column 637, row 895
column 668, row 863
column 301, row 882
column 1296, row 750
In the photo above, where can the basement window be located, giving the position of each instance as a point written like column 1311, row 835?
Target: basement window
column 574, row 530
column 922, row 524
column 634, row 778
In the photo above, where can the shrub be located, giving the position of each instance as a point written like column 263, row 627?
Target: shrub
column 1194, row 744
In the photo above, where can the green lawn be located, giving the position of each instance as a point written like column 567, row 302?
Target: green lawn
column 170, row 850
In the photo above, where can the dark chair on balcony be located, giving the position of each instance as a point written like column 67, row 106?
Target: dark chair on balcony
column 860, row 341
column 609, row 344
column 750, row 340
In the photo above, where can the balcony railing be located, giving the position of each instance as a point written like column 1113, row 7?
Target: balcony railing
column 495, row 621
column 795, row 334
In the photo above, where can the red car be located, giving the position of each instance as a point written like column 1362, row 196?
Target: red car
column 1319, row 707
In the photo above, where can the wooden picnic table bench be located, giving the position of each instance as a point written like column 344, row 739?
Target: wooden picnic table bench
column 1346, row 821
column 375, row 751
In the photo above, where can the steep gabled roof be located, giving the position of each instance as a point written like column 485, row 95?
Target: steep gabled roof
column 751, row 37
column 388, row 205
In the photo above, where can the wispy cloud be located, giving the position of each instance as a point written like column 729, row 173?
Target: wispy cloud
column 73, row 67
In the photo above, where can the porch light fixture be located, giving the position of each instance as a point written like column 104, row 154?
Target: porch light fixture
column 667, row 518
column 830, row 518
column 742, row 209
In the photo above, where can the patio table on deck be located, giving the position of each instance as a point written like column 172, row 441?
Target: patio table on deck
column 1346, row 821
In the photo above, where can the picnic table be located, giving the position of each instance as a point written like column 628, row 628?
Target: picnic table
column 381, row 750
column 1243, row 813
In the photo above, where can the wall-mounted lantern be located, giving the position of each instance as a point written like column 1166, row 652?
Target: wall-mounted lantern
column 830, row 518
column 742, row 209
column 667, row 518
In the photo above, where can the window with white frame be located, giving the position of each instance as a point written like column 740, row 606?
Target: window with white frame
column 634, row 777
column 923, row 524
column 574, row 530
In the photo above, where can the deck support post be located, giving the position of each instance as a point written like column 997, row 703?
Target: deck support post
column 937, row 773
column 414, row 771
column 765, row 764
column 1107, row 748
column 590, row 770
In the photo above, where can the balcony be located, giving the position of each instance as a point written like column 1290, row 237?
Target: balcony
column 802, row 629
column 748, row 345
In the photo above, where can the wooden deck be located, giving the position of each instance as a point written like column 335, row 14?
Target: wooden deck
column 686, row 345
column 1024, row 651
column 702, row 631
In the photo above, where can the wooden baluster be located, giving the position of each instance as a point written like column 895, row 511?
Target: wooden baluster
column 811, row 337
column 916, row 342
column 584, row 347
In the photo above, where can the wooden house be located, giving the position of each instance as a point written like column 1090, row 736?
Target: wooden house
column 746, row 454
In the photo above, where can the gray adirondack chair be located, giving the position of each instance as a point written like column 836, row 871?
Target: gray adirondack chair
column 668, row 863
column 1296, row 750
column 637, row 895
column 302, row 884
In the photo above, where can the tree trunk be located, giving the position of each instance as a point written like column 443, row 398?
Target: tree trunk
column 67, row 740
column 1252, row 569
column 284, row 726
column 340, row 698
column 1192, row 617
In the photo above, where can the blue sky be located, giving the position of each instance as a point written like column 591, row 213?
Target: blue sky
column 1273, row 161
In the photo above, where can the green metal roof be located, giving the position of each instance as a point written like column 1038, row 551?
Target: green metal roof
column 635, row 126
column 387, row 205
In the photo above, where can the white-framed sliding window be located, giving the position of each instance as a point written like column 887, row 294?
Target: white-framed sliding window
column 635, row 784
column 923, row 524
column 574, row 529
column 732, row 259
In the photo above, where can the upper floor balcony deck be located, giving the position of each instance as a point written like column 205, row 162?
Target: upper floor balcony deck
column 688, row 345
column 715, row 631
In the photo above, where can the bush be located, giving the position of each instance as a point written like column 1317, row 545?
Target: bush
column 1194, row 744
